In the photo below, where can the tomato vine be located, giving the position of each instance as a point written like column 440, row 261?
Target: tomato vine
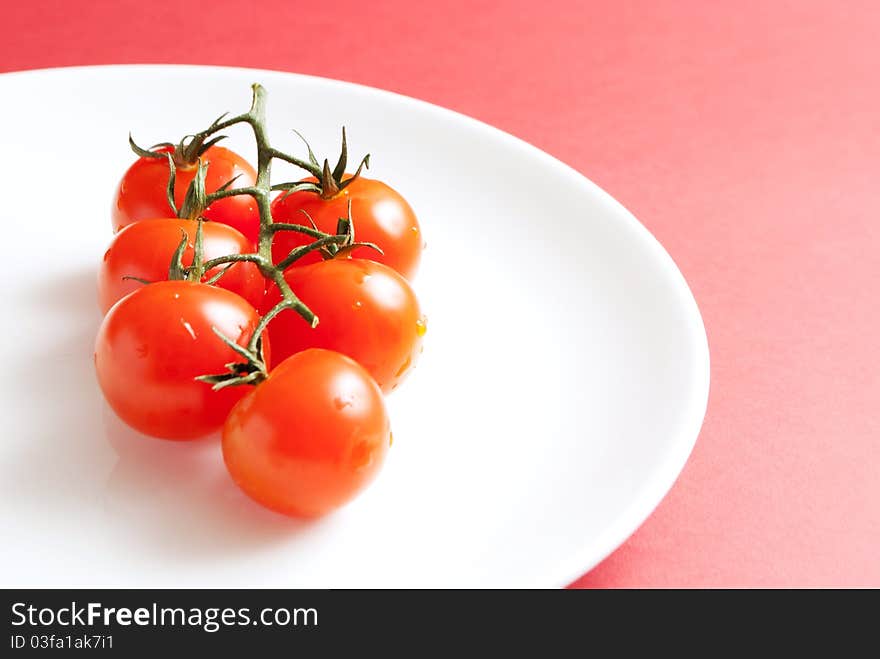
column 329, row 182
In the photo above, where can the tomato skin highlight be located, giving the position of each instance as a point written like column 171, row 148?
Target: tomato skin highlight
column 379, row 213
column 156, row 340
column 145, row 249
column 366, row 310
column 310, row 437
column 141, row 193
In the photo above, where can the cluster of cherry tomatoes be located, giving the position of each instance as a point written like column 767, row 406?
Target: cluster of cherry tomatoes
column 281, row 314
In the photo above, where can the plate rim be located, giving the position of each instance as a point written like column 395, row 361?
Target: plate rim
column 650, row 492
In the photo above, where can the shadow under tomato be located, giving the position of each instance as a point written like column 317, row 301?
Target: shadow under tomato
column 74, row 459
column 180, row 498
column 54, row 406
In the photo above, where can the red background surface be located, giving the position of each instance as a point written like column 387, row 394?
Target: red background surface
column 744, row 135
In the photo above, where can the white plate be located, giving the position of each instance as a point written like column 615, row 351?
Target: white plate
column 562, row 387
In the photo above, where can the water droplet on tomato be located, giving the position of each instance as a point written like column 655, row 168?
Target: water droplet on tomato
column 422, row 326
column 404, row 366
column 391, row 439
column 357, row 305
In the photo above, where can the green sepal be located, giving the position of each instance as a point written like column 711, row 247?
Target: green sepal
column 172, row 181
column 312, row 158
column 339, row 170
column 145, row 153
column 251, row 371
column 196, row 199
column 137, row 279
column 215, row 278
column 176, row 272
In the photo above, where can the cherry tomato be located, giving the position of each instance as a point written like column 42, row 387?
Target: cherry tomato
column 310, row 437
column 145, row 249
column 366, row 311
column 380, row 216
column 155, row 341
column 141, row 193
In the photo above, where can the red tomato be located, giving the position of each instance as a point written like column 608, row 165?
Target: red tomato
column 155, row 341
column 380, row 216
column 310, row 437
column 141, row 194
column 366, row 311
column 145, row 249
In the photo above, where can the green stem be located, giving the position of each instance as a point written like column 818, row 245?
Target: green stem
column 263, row 185
column 233, row 258
column 232, row 192
column 314, row 170
column 253, row 370
column 299, row 252
column 288, row 301
column 261, row 191
column 299, row 228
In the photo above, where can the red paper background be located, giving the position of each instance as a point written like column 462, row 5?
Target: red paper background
column 744, row 135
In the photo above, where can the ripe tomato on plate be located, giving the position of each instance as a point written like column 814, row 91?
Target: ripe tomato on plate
column 144, row 251
column 310, row 437
column 366, row 311
column 152, row 345
column 142, row 192
column 380, row 215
